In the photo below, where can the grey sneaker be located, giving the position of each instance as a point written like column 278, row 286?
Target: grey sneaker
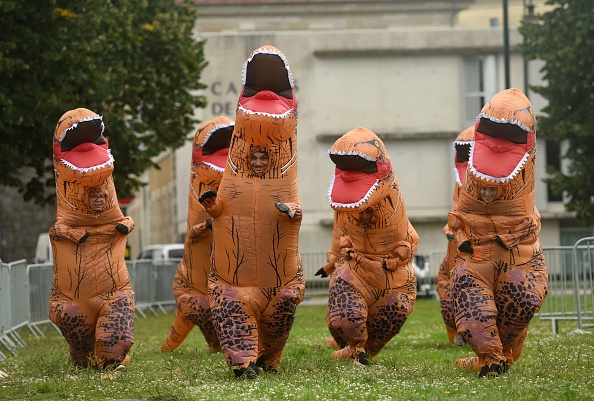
column 459, row 340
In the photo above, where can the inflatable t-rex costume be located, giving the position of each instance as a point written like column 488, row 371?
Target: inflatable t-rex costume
column 190, row 284
column 257, row 278
column 372, row 280
column 91, row 299
column 444, row 287
column 500, row 277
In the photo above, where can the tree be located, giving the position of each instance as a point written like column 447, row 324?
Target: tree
column 134, row 62
column 564, row 38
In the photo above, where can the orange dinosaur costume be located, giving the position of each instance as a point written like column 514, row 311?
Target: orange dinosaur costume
column 372, row 280
column 91, row 299
column 190, row 284
column 444, row 287
column 257, row 279
column 500, row 276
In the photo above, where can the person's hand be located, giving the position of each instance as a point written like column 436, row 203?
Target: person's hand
column 500, row 242
column 321, row 273
column 122, row 228
column 465, row 247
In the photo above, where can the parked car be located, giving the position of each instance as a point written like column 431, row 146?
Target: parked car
column 162, row 252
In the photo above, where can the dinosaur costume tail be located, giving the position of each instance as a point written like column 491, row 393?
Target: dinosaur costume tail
column 180, row 329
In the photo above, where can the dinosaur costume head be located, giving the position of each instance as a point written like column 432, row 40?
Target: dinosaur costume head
column 462, row 149
column 266, row 118
column 79, row 142
column 210, row 148
column 363, row 173
column 82, row 160
column 504, row 145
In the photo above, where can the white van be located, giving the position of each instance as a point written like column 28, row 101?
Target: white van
column 43, row 251
column 162, row 252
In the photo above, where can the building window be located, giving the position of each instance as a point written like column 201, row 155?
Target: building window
column 479, row 85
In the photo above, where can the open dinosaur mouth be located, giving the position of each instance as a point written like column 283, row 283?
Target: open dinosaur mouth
column 217, row 160
column 215, row 149
column 355, row 179
column 83, row 147
column 495, row 158
column 267, row 85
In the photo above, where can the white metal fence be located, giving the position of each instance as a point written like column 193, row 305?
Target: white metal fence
column 24, row 289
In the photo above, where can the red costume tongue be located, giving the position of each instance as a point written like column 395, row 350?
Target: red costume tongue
column 351, row 186
column 86, row 155
column 496, row 157
column 218, row 158
column 267, row 102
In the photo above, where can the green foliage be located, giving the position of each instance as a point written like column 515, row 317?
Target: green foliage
column 564, row 39
column 416, row 365
column 134, row 62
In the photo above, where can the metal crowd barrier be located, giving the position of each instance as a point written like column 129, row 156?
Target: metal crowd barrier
column 15, row 305
column 571, row 296
column 583, row 273
column 312, row 262
column 152, row 282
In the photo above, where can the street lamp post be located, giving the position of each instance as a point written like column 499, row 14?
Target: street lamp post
column 506, row 44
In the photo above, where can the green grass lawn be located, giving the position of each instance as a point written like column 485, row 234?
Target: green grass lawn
column 416, row 365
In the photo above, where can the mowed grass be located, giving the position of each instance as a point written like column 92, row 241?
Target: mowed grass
column 418, row 364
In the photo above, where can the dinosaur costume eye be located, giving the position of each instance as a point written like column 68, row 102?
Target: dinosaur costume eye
column 354, row 163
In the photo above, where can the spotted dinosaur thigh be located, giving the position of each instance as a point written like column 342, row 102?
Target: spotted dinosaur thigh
column 115, row 326
column 194, row 308
column 276, row 323
column 347, row 312
column 519, row 296
column 76, row 324
column 235, row 324
column 386, row 317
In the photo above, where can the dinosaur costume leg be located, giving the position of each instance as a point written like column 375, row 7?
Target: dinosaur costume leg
column 77, row 326
column 275, row 325
column 236, row 311
column 386, row 317
column 115, row 328
column 347, row 314
column 476, row 312
column 512, row 353
column 519, row 295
